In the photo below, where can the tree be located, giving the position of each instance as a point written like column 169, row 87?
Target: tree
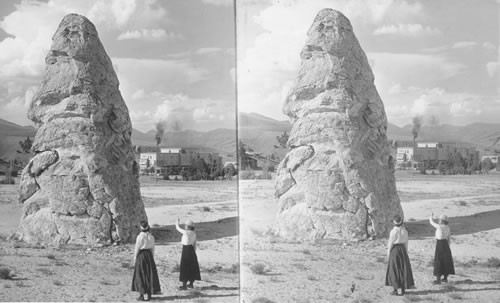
column 199, row 169
column 486, row 165
column 244, row 158
column 25, row 146
column 282, row 140
column 230, row 170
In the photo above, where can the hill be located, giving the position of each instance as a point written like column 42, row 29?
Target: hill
column 260, row 133
column 10, row 136
column 222, row 141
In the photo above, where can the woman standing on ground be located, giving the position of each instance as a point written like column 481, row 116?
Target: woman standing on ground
column 189, row 269
column 399, row 274
column 145, row 279
column 443, row 260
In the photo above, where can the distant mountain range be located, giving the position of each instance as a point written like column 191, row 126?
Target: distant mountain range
column 259, row 132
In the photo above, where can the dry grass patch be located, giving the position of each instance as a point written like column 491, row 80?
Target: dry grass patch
column 57, row 283
column 415, row 298
column 45, row 271
column 234, row 269
column 449, row 287
column 361, row 299
column 456, row 296
column 466, row 264
column 380, row 259
column 176, row 268
column 211, row 269
column 206, row 208
column 51, row 257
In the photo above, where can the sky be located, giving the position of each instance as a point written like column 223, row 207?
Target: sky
column 175, row 59
column 438, row 60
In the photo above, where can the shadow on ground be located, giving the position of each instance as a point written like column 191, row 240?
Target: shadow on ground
column 463, row 225
column 196, row 293
column 205, row 231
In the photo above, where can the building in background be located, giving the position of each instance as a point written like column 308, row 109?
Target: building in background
column 175, row 159
column 430, row 154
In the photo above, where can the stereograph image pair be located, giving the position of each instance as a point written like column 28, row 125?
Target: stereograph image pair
column 333, row 203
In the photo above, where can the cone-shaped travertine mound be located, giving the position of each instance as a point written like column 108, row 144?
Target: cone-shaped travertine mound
column 82, row 184
column 337, row 181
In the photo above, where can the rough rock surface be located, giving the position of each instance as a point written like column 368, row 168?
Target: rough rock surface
column 337, row 181
column 82, row 184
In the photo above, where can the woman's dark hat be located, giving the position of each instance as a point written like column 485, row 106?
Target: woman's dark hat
column 397, row 220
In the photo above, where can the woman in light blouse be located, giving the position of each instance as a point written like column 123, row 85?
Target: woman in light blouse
column 145, row 280
column 399, row 274
column 189, row 268
column 443, row 260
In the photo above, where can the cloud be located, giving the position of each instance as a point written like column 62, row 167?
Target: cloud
column 219, row 2
column 421, row 70
column 184, row 112
column 14, row 104
column 23, row 53
column 208, row 50
column 489, row 46
column 493, row 68
column 464, row 44
column 273, row 60
column 457, row 108
column 411, row 30
column 149, row 74
column 149, row 35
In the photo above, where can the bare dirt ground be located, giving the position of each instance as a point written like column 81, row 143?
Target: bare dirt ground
column 278, row 270
column 93, row 274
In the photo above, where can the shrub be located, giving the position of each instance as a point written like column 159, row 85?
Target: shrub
column 493, row 262
column 258, row 268
column 5, row 273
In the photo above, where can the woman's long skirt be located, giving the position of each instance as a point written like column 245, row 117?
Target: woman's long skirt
column 145, row 279
column 399, row 273
column 190, row 269
column 443, row 260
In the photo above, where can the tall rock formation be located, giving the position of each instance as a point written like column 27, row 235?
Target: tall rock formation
column 82, row 184
column 337, row 181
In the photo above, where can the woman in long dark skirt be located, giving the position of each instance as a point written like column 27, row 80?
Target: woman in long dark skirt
column 145, row 279
column 443, row 260
column 189, row 269
column 399, row 274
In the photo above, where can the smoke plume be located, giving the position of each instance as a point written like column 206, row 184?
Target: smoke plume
column 172, row 124
column 417, row 123
column 160, row 130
